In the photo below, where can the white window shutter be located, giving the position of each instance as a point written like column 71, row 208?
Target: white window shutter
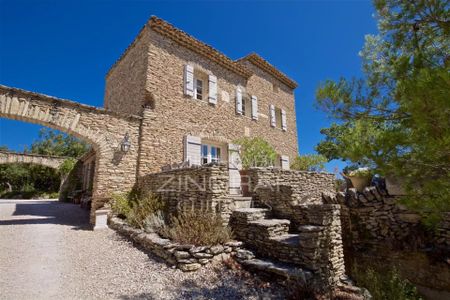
column 239, row 101
column 212, row 81
column 273, row 121
column 192, row 149
column 254, row 108
column 285, row 162
column 283, row 120
column 189, row 80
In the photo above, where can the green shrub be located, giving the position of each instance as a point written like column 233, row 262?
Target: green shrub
column 384, row 285
column 121, row 205
column 309, row 162
column 143, row 205
column 256, row 152
column 197, row 228
column 154, row 222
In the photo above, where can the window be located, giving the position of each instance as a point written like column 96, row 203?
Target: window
column 198, row 89
column 215, row 154
column 204, row 154
column 278, row 117
column 246, row 106
column 210, row 154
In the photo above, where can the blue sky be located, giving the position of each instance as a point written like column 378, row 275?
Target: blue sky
column 64, row 48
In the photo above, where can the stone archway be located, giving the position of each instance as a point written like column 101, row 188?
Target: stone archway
column 54, row 162
column 115, row 170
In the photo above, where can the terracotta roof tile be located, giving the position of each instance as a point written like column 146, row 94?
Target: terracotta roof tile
column 266, row 66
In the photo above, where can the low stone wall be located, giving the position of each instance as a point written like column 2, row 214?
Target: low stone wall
column 184, row 257
column 372, row 217
column 203, row 188
column 304, row 187
column 376, row 228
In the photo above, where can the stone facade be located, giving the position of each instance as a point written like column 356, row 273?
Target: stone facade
column 157, row 93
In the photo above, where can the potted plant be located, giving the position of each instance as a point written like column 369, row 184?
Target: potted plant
column 360, row 178
column 254, row 152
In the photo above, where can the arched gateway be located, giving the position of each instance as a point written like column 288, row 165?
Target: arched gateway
column 115, row 169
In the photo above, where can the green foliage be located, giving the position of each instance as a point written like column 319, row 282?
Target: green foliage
column 52, row 142
column 309, row 162
column 397, row 119
column 384, row 285
column 142, row 207
column 121, row 205
column 360, row 172
column 67, row 166
column 256, row 152
column 28, row 180
column 137, row 207
column 197, row 228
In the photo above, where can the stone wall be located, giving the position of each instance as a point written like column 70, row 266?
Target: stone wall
column 185, row 257
column 300, row 221
column 290, row 187
column 377, row 229
column 203, row 188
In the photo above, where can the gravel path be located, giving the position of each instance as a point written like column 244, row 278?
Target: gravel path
column 48, row 252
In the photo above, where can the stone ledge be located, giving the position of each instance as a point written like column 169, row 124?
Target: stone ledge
column 187, row 258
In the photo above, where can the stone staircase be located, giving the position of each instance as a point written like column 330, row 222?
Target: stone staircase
column 268, row 237
column 311, row 250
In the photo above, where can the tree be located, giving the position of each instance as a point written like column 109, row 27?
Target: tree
column 52, row 142
column 256, row 152
column 397, row 118
column 309, row 162
column 35, row 179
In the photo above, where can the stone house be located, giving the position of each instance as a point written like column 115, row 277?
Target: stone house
column 195, row 101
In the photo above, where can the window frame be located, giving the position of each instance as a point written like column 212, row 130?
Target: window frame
column 209, row 153
column 196, row 88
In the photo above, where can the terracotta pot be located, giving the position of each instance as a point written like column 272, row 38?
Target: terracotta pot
column 359, row 183
column 245, row 188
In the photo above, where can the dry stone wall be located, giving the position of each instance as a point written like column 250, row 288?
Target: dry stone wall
column 201, row 188
column 379, row 230
column 290, row 186
column 185, row 257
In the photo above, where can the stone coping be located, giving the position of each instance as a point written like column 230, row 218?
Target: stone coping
column 185, row 257
column 59, row 101
column 33, row 154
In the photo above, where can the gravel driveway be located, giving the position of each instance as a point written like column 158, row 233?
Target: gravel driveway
column 47, row 251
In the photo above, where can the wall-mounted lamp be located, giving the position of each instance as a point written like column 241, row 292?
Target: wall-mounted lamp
column 125, row 144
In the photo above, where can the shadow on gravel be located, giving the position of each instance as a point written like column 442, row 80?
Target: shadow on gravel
column 49, row 212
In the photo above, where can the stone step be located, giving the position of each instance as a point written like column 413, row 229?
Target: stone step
column 270, row 227
column 290, row 240
column 284, row 271
column 249, row 214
